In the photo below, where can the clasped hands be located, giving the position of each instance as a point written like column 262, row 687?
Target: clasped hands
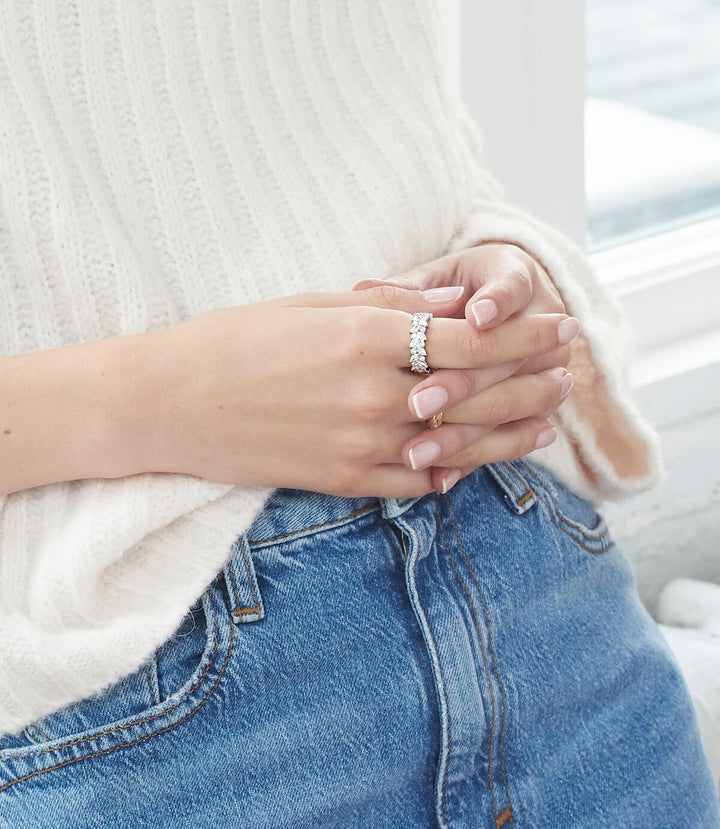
column 314, row 392
column 497, row 412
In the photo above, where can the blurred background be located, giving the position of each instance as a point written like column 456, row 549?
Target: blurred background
column 603, row 119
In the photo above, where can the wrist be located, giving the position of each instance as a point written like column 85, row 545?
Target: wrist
column 136, row 410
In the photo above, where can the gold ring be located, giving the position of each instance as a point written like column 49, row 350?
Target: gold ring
column 435, row 421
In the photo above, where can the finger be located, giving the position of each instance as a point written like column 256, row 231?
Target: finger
column 440, row 301
column 506, row 274
column 506, row 291
column 514, row 398
column 559, row 357
column 460, row 444
column 448, row 387
column 453, row 344
column 507, row 442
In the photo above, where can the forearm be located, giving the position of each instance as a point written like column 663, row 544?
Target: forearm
column 83, row 411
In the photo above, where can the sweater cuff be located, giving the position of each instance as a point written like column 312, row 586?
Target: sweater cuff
column 605, row 449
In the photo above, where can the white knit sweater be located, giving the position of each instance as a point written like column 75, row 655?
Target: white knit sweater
column 162, row 158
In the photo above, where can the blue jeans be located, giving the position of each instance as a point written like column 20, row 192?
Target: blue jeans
column 476, row 659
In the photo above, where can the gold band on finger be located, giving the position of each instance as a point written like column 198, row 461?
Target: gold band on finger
column 435, row 421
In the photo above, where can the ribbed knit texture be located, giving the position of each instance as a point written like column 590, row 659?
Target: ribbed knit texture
column 160, row 158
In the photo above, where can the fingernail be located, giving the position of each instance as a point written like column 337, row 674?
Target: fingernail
column 448, row 294
column 429, row 400
column 567, row 330
column 567, row 384
column 545, row 438
column 484, row 310
column 448, row 481
column 423, row 453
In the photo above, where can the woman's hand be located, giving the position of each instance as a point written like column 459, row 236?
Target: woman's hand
column 500, row 280
column 504, row 283
column 311, row 391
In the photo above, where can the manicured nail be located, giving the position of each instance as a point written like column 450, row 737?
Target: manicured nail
column 567, row 330
column 424, row 453
column 484, row 310
column 545, row 438
column 448, row 481
column 429, row 400
column 567, row 384
column 452, row 292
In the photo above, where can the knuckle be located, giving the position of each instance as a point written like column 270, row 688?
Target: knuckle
column 387, row 295
column 519, row 280
column 482, row 346
column 367, row 404
column 467, row 384
column 500, row 408
column 537, row 341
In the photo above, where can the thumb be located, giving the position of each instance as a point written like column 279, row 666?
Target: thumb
column 393, row 293
column 384, row 295
column 425, row 282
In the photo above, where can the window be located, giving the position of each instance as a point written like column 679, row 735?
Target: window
column 652, row 117
column 526, row 71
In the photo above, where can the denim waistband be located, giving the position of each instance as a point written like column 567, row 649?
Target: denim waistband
column 292, row 512
column 289, row 514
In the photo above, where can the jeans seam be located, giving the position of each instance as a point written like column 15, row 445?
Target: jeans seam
column 603, row 538
column 324, row 525
column 491, row 785
column 491, row 648
column 444, row 715
column 598, row 535
column 150, row 685
column 157, row 733
column 211, row 660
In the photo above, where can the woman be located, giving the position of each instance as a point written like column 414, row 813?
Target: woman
column 381, row 631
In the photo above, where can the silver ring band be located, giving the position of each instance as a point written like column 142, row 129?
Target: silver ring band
column 418, row 335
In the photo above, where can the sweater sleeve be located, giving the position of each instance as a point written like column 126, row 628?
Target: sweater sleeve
column 605, row 449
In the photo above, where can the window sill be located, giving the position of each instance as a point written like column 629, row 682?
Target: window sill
column 669, row 288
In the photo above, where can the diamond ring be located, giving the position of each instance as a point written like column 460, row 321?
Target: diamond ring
column 418, row 335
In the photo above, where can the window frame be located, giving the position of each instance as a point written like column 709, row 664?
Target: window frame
column 532, row 121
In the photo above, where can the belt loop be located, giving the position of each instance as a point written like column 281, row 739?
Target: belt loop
column 519, row 495
column 246, row 603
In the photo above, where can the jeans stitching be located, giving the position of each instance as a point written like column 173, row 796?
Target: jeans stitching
column 150, row 685
column 519, row 500
column 604, row 538
column 443, row 787
column 484, row 657
column 249, row 578
column 600, row 534
column 140, row 739
column 445, row 720
column 216, row 640
column 355, row 513
column 237, row 610
column 491, row 649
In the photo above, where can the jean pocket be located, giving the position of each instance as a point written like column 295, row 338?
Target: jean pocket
column 169, row 688
column 574, row 515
